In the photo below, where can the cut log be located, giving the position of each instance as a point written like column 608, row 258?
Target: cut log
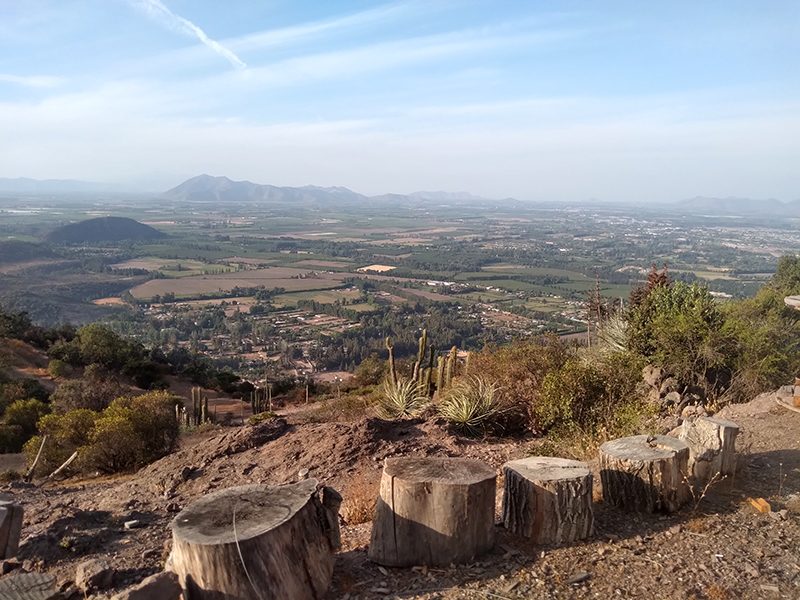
column 433, row 511
column 11, row 516
column 548, row 500
column 712, row 447
column 645, row 473
column 256, row 542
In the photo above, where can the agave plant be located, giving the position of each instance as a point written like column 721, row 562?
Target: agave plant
column 471, row 405
column 405, row 398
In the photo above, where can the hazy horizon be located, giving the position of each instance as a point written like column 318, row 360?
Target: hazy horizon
column 553, row 101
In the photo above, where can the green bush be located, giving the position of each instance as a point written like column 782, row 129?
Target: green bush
column 57, row 368
column 26, row 414
column 471, row 405
column 114, row 445
column 12, row 438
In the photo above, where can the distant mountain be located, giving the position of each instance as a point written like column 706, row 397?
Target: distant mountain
column 205, row 188
column 104, row 229
column 24, row 185
column 740, row 207
column 17, row 251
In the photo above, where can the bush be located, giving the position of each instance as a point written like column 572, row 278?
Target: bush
column 152, row 416
column 113, row 445
column 95, row 391
column 471, row 405
column 57, row 368
column 402, row 399
column 12, row 438
column 26, row 414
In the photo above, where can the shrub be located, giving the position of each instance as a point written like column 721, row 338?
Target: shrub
column 152, row 417
column 65, row 434
column 57, row 368
column 95, row 391
column 260, row 417
column 25, row 414
column 471, row 405
column 402, row 399
column 12, row 438
column 114, row 445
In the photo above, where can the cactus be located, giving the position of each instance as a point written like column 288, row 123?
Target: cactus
column 451, row 366
column 423, row 342
column 429, row 372
column 392, row 371
column 440, row 374
column 466, row 364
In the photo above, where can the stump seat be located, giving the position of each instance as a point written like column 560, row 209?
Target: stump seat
column 645, row 473
column 712, row 447
column 257, row 541
column 548, row 500
column 433, row 511
column 11, row 516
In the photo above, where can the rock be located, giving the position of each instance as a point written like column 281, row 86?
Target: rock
column 693, row 412
column 94, row 574
column 668, row 385
column 672, row 399
column 163, row 586
column 9, row 565
column 133, row 524
column 578, row 578
column 186, row 473
column 653, row 376
column 302, row 473
column 153, row 553
column 784, row 514
column 29, row 586
column 173, row 507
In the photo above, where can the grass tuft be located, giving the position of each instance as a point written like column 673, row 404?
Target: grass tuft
column 403, row 399
column 471, row 405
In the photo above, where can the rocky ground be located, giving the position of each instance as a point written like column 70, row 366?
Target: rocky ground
column 716, row 548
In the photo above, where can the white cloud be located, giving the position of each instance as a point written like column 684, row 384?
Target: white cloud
column 37, row 81
column 159, row 12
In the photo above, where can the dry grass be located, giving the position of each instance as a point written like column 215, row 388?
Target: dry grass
column 696, row 525
column 360, row 498
column 717, row 592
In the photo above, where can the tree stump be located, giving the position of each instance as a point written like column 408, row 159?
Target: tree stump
column 11, row 516
column 433, row 511
column 548, row 500
column 645, row 473
column 712, row 447
column 255, row 542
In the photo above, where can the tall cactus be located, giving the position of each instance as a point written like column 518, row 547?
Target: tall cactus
column 392, row 370
column 429, row 372
column 440, row 374
column 423, row 342
column 451, row 366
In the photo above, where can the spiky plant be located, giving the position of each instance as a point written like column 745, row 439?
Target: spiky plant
column 471, row 405
column 405, row 398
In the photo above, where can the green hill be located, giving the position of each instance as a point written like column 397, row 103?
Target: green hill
column 104, row 229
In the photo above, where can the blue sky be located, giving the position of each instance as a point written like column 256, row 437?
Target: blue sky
column 618, row 100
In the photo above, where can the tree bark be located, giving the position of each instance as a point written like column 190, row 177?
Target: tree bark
column 433, row 511
column 548, row 500
column 11, row 517
column 712, row 447
column 645, row 473
column 256, row 542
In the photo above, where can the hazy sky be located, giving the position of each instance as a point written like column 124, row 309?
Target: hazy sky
column 621, row 101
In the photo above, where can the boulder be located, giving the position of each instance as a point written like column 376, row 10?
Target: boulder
column 652, row 376
column 94, row 574
column 161, row 586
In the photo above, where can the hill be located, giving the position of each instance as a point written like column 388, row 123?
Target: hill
column 104, row 229
column 16, row 251
column 205, row 188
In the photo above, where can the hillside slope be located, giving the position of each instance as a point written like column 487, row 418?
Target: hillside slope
column 104, row 229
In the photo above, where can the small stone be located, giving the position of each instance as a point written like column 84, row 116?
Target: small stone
column 775, row 516
column 770, row 588
column 302, row 473
column 173, row 507
column 9, row 565
column 578, row 578
column 784, row 514
column 164, row 586
column 94, row 574
column 676, row 529
column 153, row 553
column 133, row 524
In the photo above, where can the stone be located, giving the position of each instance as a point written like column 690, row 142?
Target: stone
column 29, row 586
column 693, row 412
column 302, row 473
column 94, row 574
column 8, row 565
column 163, row 586
column 668, row 385
column 672, row 398
column 133, row 524
column 578, row 578
column 653, row 376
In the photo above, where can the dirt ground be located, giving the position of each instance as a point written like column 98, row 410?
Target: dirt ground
column 716, row 548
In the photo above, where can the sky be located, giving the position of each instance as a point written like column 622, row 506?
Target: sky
column 622, row 101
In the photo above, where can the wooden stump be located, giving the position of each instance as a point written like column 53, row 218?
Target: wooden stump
column 433, row 511
column 548, row 500
column 712, row 447
column 256, row 542
column 645, row 473
column 11, row 516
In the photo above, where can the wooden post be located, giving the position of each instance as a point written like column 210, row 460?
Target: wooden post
column 255, row 542
column 548, row 500
column 645, row 473
column 11, row 516
column 712, row 447
column 433, row 511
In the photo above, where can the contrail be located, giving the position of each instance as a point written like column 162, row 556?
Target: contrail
column 159, row 12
